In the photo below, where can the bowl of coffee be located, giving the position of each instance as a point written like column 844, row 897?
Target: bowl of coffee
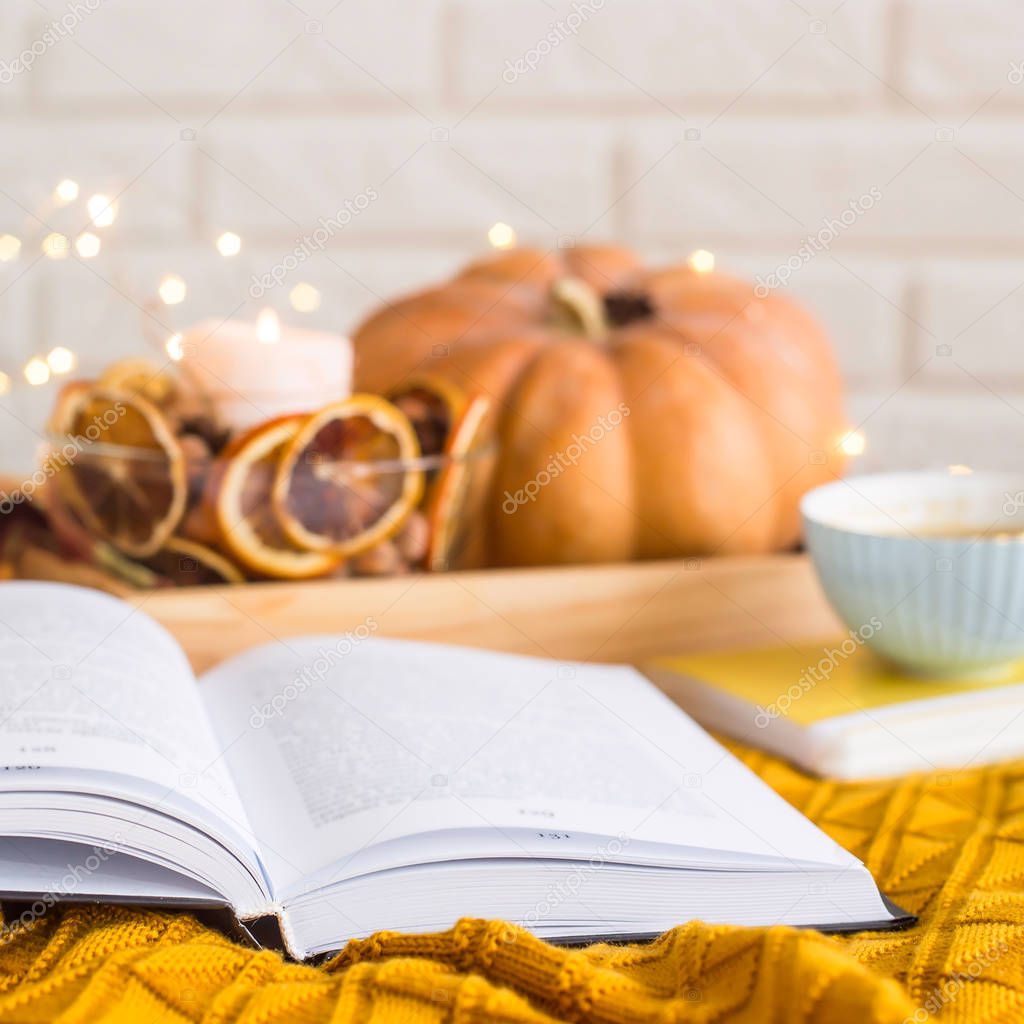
column 927, row 566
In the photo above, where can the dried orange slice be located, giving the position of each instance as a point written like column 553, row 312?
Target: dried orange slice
column 349, row 478
column 432, row 404
column 187, row 563
column 139, row 377
column 122, row 471
column 240, row 490
column 458, row 491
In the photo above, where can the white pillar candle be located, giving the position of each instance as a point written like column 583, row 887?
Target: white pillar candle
column 256, row 371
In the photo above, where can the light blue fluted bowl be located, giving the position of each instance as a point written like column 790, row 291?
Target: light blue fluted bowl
column 940, row 606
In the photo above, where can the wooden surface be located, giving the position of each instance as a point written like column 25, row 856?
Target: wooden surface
column 603, row 613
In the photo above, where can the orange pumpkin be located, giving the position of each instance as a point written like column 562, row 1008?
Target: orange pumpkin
column 641, row 413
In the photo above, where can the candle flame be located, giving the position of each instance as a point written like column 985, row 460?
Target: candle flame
column 502, row 236
column 853, row 443
column 702, row 261
column 268, row 327
column 174, row 347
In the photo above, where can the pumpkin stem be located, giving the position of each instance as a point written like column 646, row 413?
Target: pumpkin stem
column 580, row 306
column 623, row 308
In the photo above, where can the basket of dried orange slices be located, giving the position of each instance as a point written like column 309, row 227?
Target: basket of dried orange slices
column 142, row 487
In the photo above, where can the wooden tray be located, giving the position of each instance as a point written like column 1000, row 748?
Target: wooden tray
column 596, row 613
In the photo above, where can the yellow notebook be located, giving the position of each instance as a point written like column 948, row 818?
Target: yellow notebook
column 837, row 709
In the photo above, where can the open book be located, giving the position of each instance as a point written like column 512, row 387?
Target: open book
column 347, row 784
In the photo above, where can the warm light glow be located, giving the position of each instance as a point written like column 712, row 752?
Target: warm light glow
column 174, row 347
column 853, row 443
column 66, row 191
column 960, row 470
column 702, row 261
column 56, row 246
column 229, row 244
column 87, row 245
column 9, row 248
column 172, row 289
column 37, row 372
column 5, row 383
column 502, row 236
column 268, row 327
column 61, row 360
column 304, row 298
column 102, row 210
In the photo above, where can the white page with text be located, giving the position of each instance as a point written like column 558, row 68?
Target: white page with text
column 340, row 746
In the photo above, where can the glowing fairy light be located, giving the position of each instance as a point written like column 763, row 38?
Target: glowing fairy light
column 9, row 248
column 172, row 290
column 102, row 210
column 701, row 261
column 5, row 383
column 66, row 191
column 304, row 298
column 229, row 244
column 36, row 372
column 87, row 245
column 61, row 360
column 502, row 236
column 959, row 470
column 174, row 347
column 56, row 246
column 853, row 443
column 268, row 327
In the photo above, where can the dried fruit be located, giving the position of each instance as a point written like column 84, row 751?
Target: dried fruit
column 107, row 558
column 432, row 404
column 384, row 559
column 20, row 525
column 455, row 529
column 126, row 481
column 140, row 378
column 239, row 497
column 348, row 479
column 413, row 539
column 186, row 563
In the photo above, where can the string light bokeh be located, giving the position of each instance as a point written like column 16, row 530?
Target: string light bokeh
column 101, row 212
column 172, row 288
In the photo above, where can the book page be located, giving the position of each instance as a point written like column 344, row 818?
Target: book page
column 340, row 746
column 91, row 683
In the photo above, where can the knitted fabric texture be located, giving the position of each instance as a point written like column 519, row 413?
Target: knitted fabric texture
column 947, row 847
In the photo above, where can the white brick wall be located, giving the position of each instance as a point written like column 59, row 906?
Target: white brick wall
column 741, row 126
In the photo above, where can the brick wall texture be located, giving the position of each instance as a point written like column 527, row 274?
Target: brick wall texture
column 743, row 127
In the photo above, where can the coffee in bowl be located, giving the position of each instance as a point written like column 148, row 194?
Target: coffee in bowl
column 959, row 531
column 933, row 556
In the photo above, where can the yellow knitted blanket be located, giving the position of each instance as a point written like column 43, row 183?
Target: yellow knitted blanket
column 946, row 847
